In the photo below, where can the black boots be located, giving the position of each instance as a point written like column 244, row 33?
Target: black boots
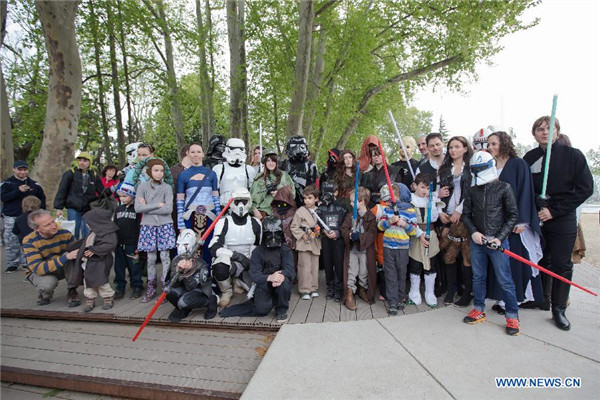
column 451, row 283
column 467, row 294
column 559, row 317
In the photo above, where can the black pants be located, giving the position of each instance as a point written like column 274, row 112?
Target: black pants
column 279, row 297
column 559, row 237
column 187, row 300
column 332, row 251
column 416, row 267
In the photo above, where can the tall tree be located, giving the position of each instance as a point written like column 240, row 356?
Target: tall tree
column 208, row 111
column 64, row 92
column 314, row 84
column 6, row 142
column 238, row 108
column 302, row 69
column 110, row 23
column 131, row 132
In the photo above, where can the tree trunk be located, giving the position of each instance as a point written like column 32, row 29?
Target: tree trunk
column 211, row 47
column 375, row 90
column 64, row 93
column 6, row 140
column 276, row 124
column 238, row 107
column 302, row 68
column 208, row 111
column 115, row 84
column 131, row 131
column 314, row 85
column 94, row 28
column 171, row 77
column 323, row 129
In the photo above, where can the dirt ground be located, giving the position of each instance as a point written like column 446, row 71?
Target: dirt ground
column 591, row 233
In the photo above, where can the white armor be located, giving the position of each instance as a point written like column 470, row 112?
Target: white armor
column 233, row 177
column 237, row 238
column 131, row 151
column 483, row 168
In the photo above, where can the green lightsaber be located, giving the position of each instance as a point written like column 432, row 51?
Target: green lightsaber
column 549, row 147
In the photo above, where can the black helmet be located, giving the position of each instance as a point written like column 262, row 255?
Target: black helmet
column 216, row 146
column 297, row 149
column 272, row 232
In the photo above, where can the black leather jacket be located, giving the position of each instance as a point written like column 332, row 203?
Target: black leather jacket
column 490, row 209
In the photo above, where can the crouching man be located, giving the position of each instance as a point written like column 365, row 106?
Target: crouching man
column 48, row 261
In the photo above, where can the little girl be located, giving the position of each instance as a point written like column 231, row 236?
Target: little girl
column 155, row 202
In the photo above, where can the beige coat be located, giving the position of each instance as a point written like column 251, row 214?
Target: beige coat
column 304, row 219
column 417, row 250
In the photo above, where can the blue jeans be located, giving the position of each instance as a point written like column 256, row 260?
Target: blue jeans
column 73, row 215
column 124, row 261
column 501, row 265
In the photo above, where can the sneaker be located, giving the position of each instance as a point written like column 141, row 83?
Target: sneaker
column 393, row 311
column 337, row 297
column 381, row 298
column 400, row 306
column 10, row 270
column 137, row 293
column 89, row 305
column 108, row 303
column 474, row 317
column 512, row 327
column 119, row 294
column 314, row 294
column 329, row 295
column 42, row 301
column 306, row 296
column 498, row 308
column 282, row 317
column 73, row 298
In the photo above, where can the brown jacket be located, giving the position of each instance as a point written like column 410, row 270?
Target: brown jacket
column 285, row 195
column 367, row 242
column 303, row 219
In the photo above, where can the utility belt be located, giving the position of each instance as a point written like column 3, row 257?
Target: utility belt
column 457, row 239
column 205, row 209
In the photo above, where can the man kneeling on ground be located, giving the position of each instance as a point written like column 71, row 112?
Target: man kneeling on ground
column 47, row 258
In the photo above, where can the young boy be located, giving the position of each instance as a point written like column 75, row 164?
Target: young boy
column 418, row 261
column 490, row 213
column 126, row 256
column 308, row 244
column 398, row 222
column 359, row 256
column 332, row 244
column 21, row 227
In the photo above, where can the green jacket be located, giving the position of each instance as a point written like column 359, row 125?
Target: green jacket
column 261, row 200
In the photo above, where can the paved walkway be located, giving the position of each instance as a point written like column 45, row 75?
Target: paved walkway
column 434, row 355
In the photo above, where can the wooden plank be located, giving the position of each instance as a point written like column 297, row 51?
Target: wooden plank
column 379, row 309
column 300, row 312
column 317, row 309
column 332, row 311
column 410, row 309
column 363, row 310
column 346, row 314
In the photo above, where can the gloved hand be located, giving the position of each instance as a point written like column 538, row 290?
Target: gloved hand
column 355, row 236
column 242, row 259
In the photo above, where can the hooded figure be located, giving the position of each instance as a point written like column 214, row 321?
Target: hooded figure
column 102, row 241
column 284, row 208
column 365, row 154
column 331, row 167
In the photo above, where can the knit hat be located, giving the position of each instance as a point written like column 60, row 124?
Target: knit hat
column 86, row 155
column 151, row 162
column 125, row 188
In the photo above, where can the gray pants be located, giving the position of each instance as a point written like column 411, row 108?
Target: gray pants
column 357, row 267
column 14, row 255
column 45, row 284
column 395, row 263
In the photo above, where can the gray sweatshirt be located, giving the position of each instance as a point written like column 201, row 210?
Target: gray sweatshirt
column 154, row 193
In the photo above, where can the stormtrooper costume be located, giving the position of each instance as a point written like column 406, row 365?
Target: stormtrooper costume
column 214, row 153
column 131, row 151
column 302, row 171
column 235, row 236
column 193, row 287
column 233, row 173
column 480, row 139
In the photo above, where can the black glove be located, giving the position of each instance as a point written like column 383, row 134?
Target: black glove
column 355, row 236
column 242, row 259
column 541, row 202
column 271, row 187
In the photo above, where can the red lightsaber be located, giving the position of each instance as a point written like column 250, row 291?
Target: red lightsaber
column 176, row 276
column 509, row 253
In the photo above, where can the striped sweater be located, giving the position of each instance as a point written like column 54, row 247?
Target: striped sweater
column 46, row 256
column 394, row 236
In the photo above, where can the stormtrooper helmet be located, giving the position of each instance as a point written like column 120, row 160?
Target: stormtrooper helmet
column 186, row 241
column 272, row 232
column 480, row 139
column 483, row 168
column 384, row 193
column 235, row 151
column 241, row 203
column 297, row 149
column 131, row 151
column 327, row 193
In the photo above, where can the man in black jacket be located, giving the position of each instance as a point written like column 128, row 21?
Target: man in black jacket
column 569, row 184
column 14, row 190
column 77, row 189
column 490, row 213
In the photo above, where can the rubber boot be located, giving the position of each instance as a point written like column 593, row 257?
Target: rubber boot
column 150, row 291
column 451, row 283
column 226, row 292
column 414, row 296
column 430, row 298
column 211, row 308
column 559, row 317
column 467, row 295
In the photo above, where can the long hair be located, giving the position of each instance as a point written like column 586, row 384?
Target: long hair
column 277, row 172
column 507, row 148
column 447, row 163
column 340, row 174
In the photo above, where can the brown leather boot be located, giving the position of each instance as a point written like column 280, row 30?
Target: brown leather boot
column 349, row 300
column 362, row 293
